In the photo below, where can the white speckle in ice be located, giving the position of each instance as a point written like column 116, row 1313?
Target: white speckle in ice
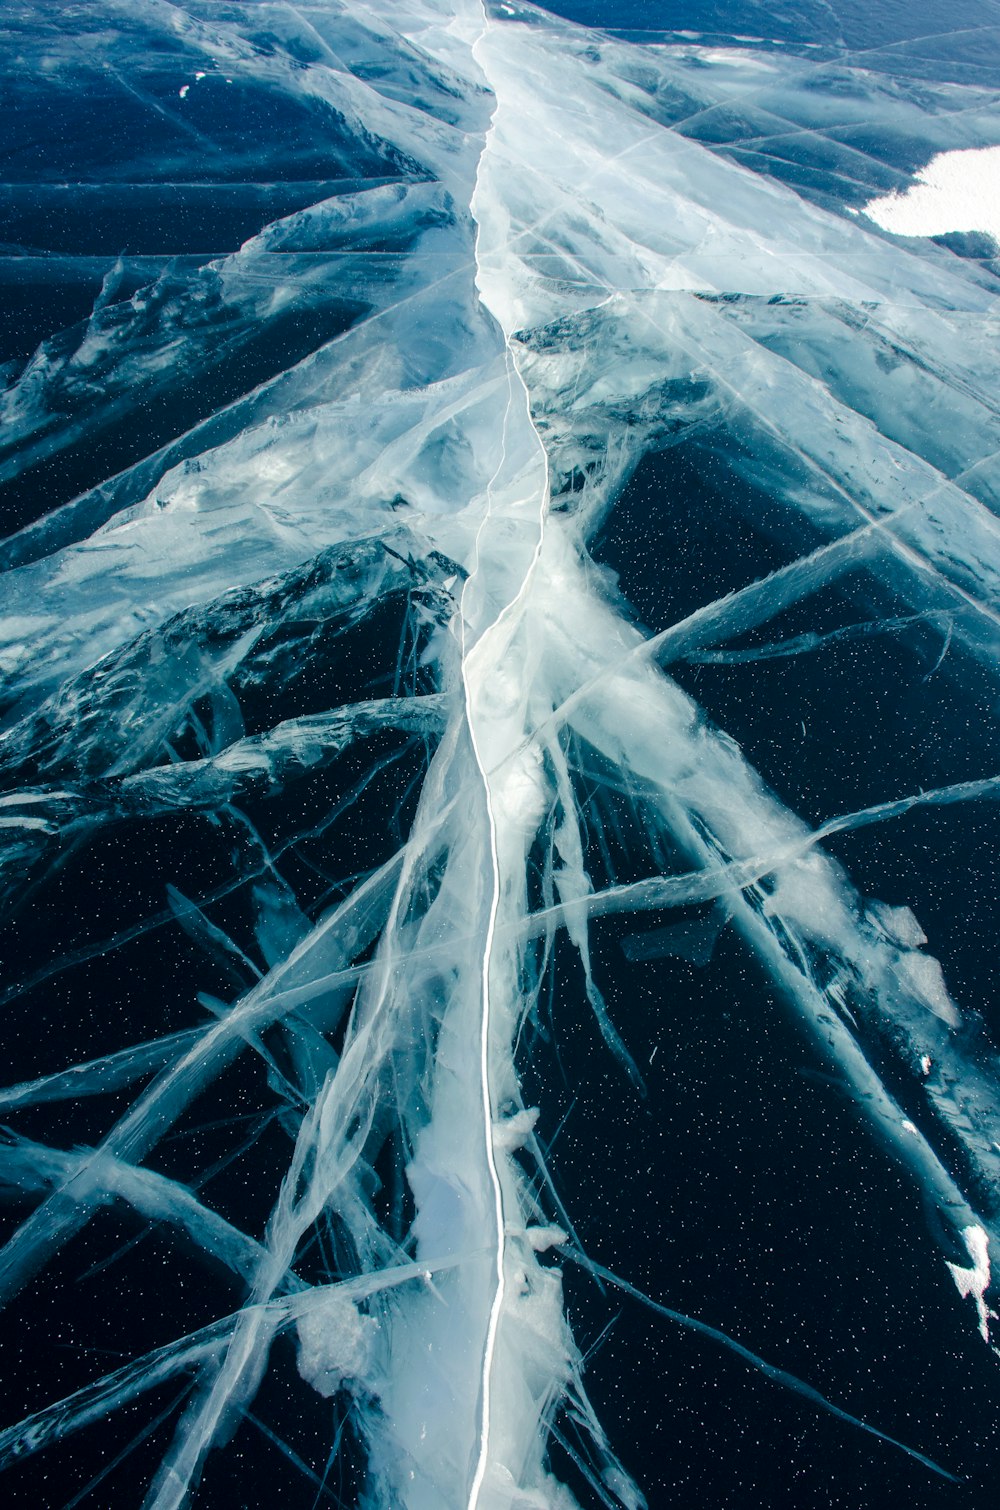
column 199, row 75
column 183, row 91
column 909, row 1127
column 975, row 1281
column 957, row 191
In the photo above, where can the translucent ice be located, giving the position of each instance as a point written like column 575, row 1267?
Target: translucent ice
column 334, row 750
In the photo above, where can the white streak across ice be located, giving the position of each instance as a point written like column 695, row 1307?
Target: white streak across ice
column 483, row 654
column 488, row 1107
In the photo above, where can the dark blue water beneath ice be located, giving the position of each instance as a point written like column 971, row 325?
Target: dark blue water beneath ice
column 776, row 1203
column 772, row 1194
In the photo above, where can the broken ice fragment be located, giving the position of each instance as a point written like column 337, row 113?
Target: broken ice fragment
column 975, row 1281
column 336, row 1343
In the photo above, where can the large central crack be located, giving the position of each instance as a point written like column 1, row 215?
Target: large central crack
column 482, row 651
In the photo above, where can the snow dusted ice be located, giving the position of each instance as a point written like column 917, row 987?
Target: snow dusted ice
column 335, row 657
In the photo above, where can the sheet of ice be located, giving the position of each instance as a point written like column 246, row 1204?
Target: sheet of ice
column 313, row 686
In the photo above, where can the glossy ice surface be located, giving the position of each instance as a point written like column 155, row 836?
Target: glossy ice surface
column 498, row 829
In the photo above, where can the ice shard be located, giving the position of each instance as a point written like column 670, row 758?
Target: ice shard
column 500, row 654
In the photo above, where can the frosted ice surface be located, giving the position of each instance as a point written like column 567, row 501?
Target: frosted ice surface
column 502, row 576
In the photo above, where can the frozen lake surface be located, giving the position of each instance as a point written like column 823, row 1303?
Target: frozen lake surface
column 499, row 757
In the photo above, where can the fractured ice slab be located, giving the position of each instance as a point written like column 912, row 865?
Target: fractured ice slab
column 368, row 800
column 974, row 1281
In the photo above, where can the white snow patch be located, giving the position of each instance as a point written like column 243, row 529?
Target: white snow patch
column 957, row 191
